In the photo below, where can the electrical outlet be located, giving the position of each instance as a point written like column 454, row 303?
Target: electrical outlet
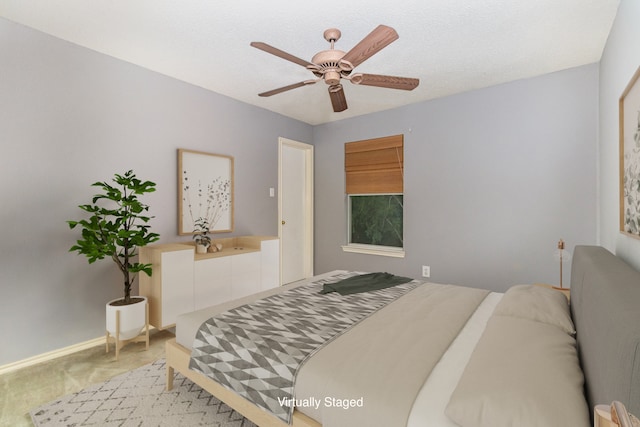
column 426, row 271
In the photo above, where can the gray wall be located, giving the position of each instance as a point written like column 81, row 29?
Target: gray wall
column 620, row 61
column 493, row 179
column 70, row 117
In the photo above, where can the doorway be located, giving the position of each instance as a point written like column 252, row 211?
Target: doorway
column 295, row 210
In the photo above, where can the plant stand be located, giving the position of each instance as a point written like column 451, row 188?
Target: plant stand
column 142, row 337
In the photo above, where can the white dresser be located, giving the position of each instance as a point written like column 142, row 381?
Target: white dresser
column 184, row 281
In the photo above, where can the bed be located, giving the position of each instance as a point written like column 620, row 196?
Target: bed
column 443, row 355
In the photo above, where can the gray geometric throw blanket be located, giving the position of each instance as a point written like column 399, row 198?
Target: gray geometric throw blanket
column 257, row 349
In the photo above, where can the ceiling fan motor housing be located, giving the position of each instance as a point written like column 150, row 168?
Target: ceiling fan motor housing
column 328, row 65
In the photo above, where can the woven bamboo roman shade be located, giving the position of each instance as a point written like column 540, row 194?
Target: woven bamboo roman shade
column 375, row 166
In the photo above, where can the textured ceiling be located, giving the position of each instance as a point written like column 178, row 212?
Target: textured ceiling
column 452, row 46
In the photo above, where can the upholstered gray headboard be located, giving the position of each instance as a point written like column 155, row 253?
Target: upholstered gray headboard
column 605, row 305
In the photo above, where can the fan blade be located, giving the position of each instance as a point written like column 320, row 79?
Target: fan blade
column 280, row 53
column 392, row 82
column 286, row 88
column 338, row 101
column 378, row 39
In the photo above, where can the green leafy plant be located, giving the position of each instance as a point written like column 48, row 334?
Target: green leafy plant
column 117, row 227
column 201, row 230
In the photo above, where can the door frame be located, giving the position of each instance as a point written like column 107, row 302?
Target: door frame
column 308, row 202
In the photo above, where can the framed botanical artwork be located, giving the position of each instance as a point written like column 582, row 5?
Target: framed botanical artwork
column 629, row 107
column 205, row 192
column 630, row 158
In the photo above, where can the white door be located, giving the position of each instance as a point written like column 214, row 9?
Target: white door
column 295, row 191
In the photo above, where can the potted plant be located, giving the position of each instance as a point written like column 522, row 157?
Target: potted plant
column 201, row 237
column 116, row 227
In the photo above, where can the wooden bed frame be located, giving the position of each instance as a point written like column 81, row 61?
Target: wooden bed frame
column 178, row 359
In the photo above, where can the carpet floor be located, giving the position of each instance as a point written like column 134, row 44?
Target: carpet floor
column 138, row 398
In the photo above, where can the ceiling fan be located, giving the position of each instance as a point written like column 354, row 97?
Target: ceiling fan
column 333, row 65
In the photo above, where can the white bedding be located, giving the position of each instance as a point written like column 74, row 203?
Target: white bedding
column 428, row 408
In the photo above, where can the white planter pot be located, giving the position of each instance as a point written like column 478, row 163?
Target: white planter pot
column 201, row 249
column 132, row 318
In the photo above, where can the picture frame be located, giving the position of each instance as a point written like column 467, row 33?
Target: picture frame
column 629, row 108
column 205, row 190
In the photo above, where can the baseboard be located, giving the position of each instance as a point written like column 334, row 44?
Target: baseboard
column 4, row 369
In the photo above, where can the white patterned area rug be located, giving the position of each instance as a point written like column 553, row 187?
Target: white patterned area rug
column 138, row 398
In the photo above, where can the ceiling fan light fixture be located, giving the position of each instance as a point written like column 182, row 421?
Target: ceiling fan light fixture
column 332, row 65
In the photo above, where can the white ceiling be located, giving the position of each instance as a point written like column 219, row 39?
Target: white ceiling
column 452, row 46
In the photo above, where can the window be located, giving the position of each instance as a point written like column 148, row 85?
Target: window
column 376, row 219
column 374, row 187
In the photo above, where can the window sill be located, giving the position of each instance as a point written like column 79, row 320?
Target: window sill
column 374, row 250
